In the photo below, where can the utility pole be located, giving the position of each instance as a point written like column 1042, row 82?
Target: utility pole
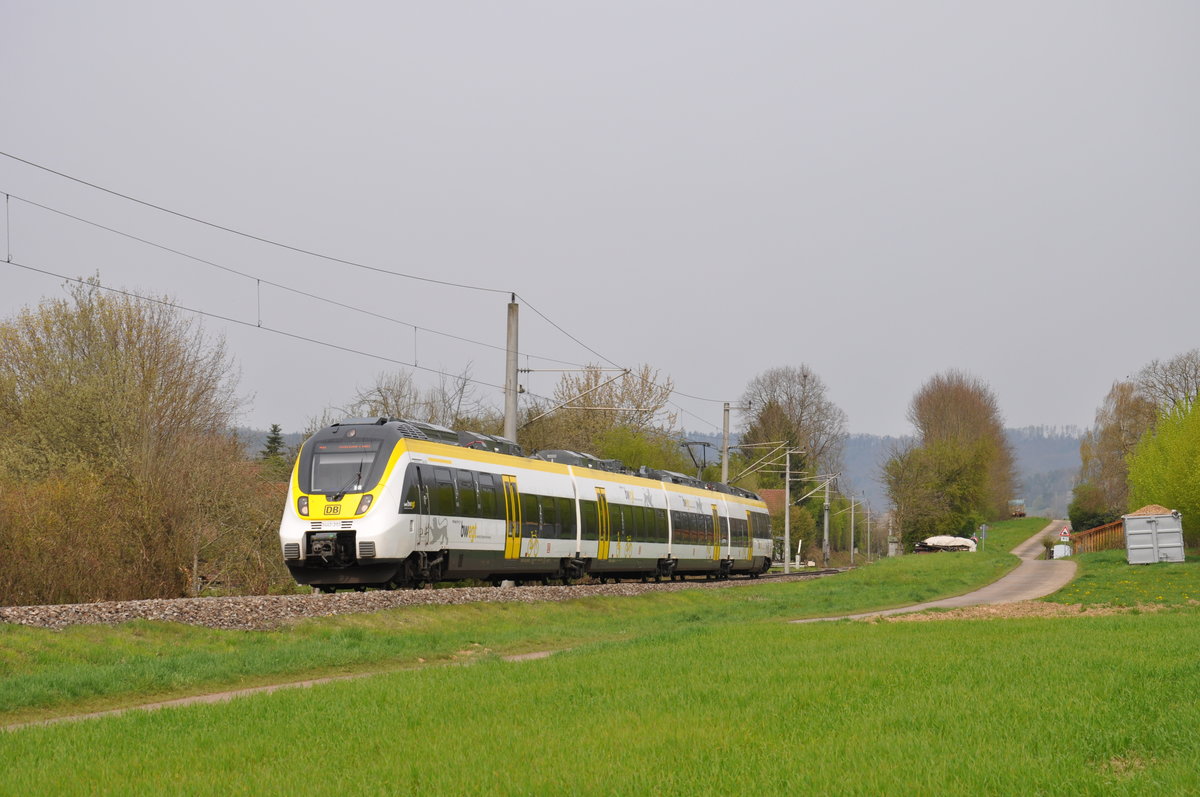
column 852, row 502
column 787, row 511
column 725, row 448
column 868, row 533
column 510, row 373
column 825, row 540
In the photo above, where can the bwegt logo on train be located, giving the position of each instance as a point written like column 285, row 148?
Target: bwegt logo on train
column 333, row 509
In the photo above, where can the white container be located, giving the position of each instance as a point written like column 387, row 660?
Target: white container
column 1153, row 538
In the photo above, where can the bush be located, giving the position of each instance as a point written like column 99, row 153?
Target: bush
column 1165, row 468
column 119, row 477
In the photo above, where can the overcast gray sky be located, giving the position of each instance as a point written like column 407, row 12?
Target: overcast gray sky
column 880, row 190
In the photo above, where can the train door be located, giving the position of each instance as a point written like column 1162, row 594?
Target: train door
column 716, row 533
column 512, row 518
column 416, row 501
column 749, row 534
column 603, row 522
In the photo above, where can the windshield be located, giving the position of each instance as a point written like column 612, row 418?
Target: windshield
column 343, row 467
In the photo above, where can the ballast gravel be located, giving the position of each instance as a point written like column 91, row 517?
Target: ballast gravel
column 266, row 612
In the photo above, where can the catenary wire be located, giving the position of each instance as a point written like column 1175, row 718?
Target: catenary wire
column 319, row 255
column 251, row 236
column 281, row 286
column 254, row 325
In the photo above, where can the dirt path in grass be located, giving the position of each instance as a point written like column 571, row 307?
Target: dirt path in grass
column 461, row 657
column 1033, row 578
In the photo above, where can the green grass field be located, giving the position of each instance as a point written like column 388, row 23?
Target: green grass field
column 87, row 668
column 698, row 692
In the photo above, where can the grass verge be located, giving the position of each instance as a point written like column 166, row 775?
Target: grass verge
column 1105, row 578
column 971, row 707
column 91, row 668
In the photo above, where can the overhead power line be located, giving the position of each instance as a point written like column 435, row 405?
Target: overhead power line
column 322, row 256
column 263, row 327
column 281, row 286
column 251, row 236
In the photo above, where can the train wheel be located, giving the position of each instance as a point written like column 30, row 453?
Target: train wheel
column 329, row 590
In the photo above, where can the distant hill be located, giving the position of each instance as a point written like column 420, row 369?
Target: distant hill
column 253, row 440
column 1047, row 464
column 1047, row 460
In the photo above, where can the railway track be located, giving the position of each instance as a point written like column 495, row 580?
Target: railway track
column 264, row 612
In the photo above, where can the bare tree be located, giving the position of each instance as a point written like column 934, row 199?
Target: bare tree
column 589, row 406
column 1121, row 420
column 453, row 401
column 392, row 395
column 1171, row 383
column 790, row 404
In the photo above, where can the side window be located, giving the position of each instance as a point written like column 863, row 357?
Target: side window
column 466, row 493
column 442, row 495
column 549, row 516
column 530, row 518
column 411, row 502
column 487, row 497
column 591, row 520
column 566, row 518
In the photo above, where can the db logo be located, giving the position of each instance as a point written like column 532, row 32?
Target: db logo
column 333, row 509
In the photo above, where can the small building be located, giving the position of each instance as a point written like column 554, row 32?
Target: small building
column 1153, row 534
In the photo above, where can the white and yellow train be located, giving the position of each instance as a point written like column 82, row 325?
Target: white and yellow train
column 375, row 502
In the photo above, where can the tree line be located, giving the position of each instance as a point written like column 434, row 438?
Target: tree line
column 1144, row 447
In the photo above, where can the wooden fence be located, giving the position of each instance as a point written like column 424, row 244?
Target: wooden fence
column 1101, row 538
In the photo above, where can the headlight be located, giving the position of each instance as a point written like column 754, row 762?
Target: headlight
column 302, row 505
column 365, row 503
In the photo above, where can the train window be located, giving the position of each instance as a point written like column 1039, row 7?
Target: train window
column 549, row 517
column 591, row 520
column 566, row 518
column 466, row 493
column 488, row 502
column 660, row 525
column 412, row 490
column 530, row 518
column 442, row 495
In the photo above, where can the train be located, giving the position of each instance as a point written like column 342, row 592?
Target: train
column 392, row 503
